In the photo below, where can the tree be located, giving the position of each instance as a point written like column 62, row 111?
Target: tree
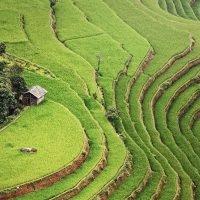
column 112, row 114
column 52, row 3
column 12, row 86
column 16, row 70
column 2, row 66
column 7, row 103
column 18, row 84
column 2, row 48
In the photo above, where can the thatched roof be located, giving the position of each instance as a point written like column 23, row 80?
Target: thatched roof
column 37, row 91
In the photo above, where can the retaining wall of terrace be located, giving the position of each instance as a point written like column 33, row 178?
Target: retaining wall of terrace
column 146, row 61
column 124, row 172
column 88, row 179
column 177, row 76
column 170, row 62
column 179, row 91
column 142, row 185
column 189, row 104
column 71, row 193
column 194, row 118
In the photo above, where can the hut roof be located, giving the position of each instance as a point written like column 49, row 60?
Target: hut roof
column 37, row 91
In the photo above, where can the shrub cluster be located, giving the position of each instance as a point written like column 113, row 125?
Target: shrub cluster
column 12, row 86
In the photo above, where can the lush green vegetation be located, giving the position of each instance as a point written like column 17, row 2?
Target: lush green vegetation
column 52, row 135
column 124, row 71
column 185, row 125
column 195, row 129
column 12, row 86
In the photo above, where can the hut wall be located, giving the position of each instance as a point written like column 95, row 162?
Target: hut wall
column 40, row 99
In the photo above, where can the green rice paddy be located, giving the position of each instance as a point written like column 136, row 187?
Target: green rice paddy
column 52, row 135
column 140, row 60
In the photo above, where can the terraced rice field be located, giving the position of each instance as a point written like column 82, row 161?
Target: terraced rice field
column 121, row 119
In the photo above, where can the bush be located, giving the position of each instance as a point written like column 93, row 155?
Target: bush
column 112, row 114
column 18, row 84
column 2, row 66
column 2, row 48
column 52, row 3
column 7, row 103
column 16, row 70
column 12, row 86
column 17, row 111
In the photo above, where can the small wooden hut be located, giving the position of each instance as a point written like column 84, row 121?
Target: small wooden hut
column 34, row 96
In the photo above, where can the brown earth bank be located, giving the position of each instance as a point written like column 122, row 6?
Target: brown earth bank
column 169, row 64
column 71, row 193
column 142, row 185
column 123, row 174
column 194, row 118
column 173, row 79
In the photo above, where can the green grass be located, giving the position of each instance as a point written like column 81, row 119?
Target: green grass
column 68, row 18
column 110, row 53
column 185, row 129
column 50, row 85
column 11, row 27
column 147, row 26
column 195, row 8
column 180, row 9
column 93, row 46
column 195, row 129
column 160, row 47
column 156, row 146
column 148, row 96
column 117, row 28
column 114, row 143
column 101, row 36
column 183, row 8
column 116, row 158
column 171, row 7
column 151, row 91
column 158, row 172
column 97, row 19
column 160, row 122
column 188, row 10
column 163, row 4
column 44, row 49
column 188, row 144
column 157, row 59
column 69, row 99
column 54, row 131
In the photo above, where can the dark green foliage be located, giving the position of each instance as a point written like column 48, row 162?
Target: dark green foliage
column 2, row 66
column 7, row 103
column 19, row 85
column 95, row 95
column 52, row 3
column 12, row 86
column 2, row 48
column 112, row 114
column 16, row 70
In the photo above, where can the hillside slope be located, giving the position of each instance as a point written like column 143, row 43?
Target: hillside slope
column 123, row 94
